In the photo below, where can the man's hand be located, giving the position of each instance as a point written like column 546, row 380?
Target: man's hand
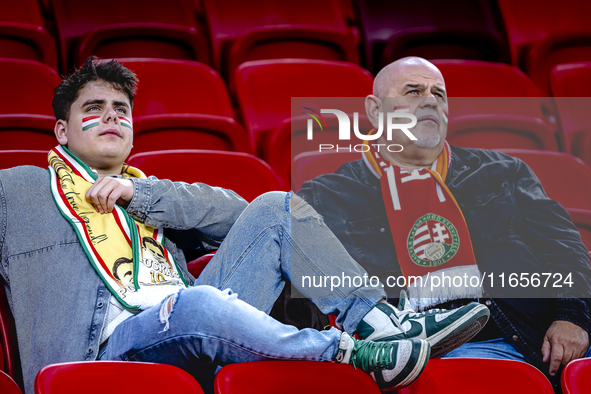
column 564, row 342
column 107, row 191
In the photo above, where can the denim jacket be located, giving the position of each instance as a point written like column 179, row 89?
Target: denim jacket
column 57, row 299
column 513, row 225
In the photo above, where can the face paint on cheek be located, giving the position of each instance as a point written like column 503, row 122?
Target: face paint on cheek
column 401, row 109
column 125, row 122
column 90, row 122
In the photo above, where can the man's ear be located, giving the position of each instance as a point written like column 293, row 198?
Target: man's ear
column 60, row 132
column 373, row 107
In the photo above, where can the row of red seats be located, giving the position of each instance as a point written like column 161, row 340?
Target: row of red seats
column 492, row 106
column 533, row 36
column 294, row 377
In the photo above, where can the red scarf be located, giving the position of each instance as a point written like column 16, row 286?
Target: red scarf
column 430, row 234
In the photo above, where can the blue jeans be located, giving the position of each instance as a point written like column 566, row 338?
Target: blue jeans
column 205, row 326
column 495, row 348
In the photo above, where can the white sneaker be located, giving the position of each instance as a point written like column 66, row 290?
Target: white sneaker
column 392, row 364
column 444, row 329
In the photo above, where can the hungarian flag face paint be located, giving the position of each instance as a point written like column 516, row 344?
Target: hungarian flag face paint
column 90, row 122
column 125, row 122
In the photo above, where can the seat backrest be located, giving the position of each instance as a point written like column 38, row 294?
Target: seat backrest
column 570, row 84
column 99, row 377
column 8, row 385
column 178, row 86
column 571, row 79
column 187, row 131
column 504, row 108
column 231, row 19
column 75, row 19
column 27, row 87
column 461, row 29
column 473, row 78
column 308, row 165
column 13, row 158
column 565, row 178
column 531, row 21
column 265, row 88
column 7, row 341
column 25, row 132
column 293, row 377
column 246, row 174
column 483, row 376
column 576, row 377
column 23, row 34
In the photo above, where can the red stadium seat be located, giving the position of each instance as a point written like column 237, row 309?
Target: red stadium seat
column 272, row 29
column 27, row 87
column 571, row 84
column 511, row 114
column 564, row 177
column 10, row 362
column 309, row 165
column 556, row 50
column 290, row 139
column 23, row 34
column 501, row 131
column 459, row 29
column 178, row 86
column 545, row 33
column 247, row 175
column 8, row 385
column 177, row 131
column 141, row 29
column 99, row 377
column 265, row 89
column 473, row 78
column 27, row 132
column 293, row 377
column 13, row 158
column 196, row 266
column 576, row 377
column 482, row 376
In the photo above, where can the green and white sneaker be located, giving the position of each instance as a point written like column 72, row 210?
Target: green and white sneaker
column 444, row 329
column 393, row 364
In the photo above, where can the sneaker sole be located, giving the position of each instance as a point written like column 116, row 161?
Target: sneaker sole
column 419, row 367
column 459, row 332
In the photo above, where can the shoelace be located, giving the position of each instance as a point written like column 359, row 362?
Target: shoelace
column 429, row 312
column 372, row 356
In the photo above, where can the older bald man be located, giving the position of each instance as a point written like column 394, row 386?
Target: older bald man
column 484, row 212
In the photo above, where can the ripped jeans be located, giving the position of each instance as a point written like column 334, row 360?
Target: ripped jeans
column 223, row 318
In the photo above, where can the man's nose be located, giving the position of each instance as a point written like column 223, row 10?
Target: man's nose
column 429, row 101
column 110, row 115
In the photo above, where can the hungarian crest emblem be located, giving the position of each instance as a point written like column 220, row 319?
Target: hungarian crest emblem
column 433, row 240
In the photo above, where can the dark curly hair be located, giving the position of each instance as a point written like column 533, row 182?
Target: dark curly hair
column 94, row 69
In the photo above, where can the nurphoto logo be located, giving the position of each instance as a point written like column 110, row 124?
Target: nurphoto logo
column 344, row 122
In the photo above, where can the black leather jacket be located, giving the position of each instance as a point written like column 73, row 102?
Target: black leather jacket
column 513, row 225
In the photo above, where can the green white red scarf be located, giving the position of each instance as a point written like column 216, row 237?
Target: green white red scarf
column 428, row 228
column 114, row 243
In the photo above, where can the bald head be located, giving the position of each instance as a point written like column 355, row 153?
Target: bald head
column 393, row 72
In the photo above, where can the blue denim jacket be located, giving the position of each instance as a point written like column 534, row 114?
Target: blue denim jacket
column 514, row 227
column 58, row 300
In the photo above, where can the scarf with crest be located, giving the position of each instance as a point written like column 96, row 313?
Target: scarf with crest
column 430, row 233
column 129, row 256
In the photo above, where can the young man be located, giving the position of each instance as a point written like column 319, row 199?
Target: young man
column 60, row 234
column 501, row 221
